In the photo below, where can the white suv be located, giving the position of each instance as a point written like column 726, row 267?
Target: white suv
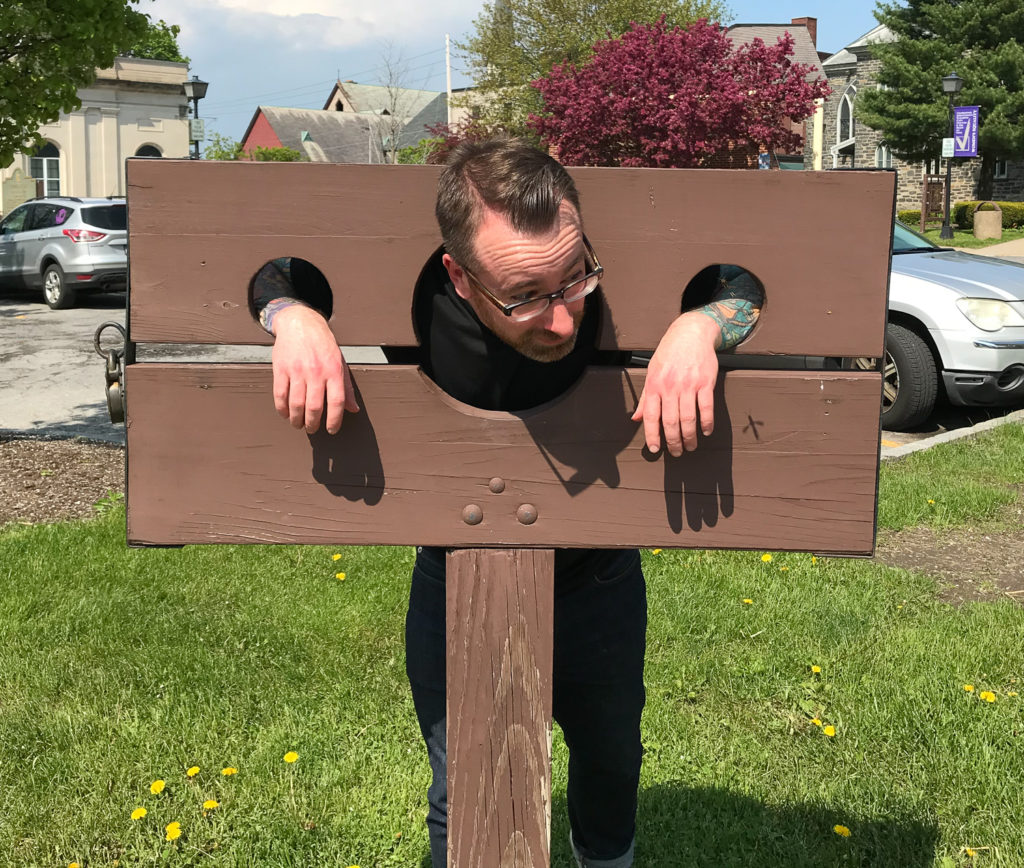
column 64, row 245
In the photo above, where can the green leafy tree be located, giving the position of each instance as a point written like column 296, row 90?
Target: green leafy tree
column 159, row 42
column 48, row 50
column 983, row 42
column 226, row 148
column 418, row 154
column 518, row 41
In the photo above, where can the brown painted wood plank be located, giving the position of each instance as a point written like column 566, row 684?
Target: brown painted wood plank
column 199, row 231
column 499, row 650
column 792, row 464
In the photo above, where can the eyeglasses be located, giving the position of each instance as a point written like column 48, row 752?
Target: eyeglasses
column 520, row 311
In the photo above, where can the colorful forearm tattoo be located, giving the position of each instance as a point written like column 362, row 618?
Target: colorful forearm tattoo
column 735, row 306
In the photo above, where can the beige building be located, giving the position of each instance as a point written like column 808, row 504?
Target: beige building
column 135, row 108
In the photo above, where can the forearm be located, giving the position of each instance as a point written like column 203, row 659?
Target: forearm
column 734, row 308
column 274, row 291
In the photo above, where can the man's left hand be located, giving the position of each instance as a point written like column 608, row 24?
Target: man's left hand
column 680, row 384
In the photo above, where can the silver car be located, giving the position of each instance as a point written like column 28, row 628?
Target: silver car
column 64, row 245
column 954, row 317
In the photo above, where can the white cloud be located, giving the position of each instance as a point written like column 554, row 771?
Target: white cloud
column 318, row 24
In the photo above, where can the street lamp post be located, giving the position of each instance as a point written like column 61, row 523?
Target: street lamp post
column 951, row 85
column 195, row 90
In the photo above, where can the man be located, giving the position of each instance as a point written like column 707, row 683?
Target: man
column 507, row 319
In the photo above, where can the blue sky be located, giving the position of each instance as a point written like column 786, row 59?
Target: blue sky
column 289, row 52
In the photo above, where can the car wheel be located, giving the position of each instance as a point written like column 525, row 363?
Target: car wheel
column 910, row 380
column 56, row 292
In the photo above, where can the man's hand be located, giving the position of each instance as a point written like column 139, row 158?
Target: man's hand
column 680, row 383
column 308, row 366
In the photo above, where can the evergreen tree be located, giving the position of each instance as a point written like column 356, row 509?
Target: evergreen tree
column 982, row 41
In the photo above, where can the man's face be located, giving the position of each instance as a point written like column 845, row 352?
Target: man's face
column 515, row 267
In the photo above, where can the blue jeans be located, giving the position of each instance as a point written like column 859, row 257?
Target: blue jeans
column 600, row 625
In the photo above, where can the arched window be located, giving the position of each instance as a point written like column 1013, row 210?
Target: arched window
column 883, row 156
column 148, row 151
column 44, row 165
column 846, row 128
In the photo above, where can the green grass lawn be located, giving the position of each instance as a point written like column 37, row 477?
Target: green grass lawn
column 122, row 667
column 965, row 237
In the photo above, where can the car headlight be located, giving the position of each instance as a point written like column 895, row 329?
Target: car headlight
column 990, row 314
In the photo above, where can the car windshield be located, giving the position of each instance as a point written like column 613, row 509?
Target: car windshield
column 906, row 240
column 106, row 216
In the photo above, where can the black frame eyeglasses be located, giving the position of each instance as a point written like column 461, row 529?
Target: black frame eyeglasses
column 520, row 311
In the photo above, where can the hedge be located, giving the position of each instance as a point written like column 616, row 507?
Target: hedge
column 962, row 215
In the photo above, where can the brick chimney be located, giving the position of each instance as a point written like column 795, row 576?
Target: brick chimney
column 812, row 27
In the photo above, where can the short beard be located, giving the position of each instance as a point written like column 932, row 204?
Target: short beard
column 543, row 353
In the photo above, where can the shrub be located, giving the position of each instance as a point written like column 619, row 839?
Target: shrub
column 963, row 214
column 910, row 217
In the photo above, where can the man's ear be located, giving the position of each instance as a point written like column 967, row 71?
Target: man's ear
column 458, row 276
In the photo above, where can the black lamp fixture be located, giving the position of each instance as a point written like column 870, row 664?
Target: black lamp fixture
column 195, row 90
column 952, row 84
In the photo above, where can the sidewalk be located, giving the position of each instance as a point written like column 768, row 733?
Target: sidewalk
column 1010, row 249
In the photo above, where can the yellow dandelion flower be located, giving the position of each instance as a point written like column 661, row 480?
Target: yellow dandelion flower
column 931, row 502
column 335, row 557
column 843, row 831
column 210, row 804
column 748, row 601
column 229, row 770
column 655, row 551
column 139, row 813
column 987, row 695
column 971, row 852
column 173, row 831
column 291, row 756
column 816, row 669
column 340, row 576
column 829, row 730
column 814, row 559
column 816, row 721
column 766, row 557
column 192, row 771
column 157, row 787
column 899, row 606
column 783, row 569
column 969, row 688
column 72, row 865
column 1012, row 693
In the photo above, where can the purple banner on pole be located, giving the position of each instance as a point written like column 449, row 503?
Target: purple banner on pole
column 965, row 131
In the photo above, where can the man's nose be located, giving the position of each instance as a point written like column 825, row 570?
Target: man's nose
column 559, row 318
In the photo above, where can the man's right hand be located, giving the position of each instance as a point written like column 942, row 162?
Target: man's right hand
column 309, row 368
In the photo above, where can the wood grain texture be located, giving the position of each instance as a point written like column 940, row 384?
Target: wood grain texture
column 200, row 230
column 500, row 627
column 792, row 464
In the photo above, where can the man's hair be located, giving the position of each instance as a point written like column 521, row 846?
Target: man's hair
column 509, row 176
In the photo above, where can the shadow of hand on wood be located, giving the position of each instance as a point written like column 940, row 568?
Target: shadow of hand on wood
column 348, row 463
column 700, row 482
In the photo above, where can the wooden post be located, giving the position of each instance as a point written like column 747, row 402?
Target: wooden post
column 500, row 622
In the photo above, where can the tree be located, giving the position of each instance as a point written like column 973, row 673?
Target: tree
column 226, row 148
column 673, row 97
column 983, row 42
column 48, row 50
column 517, row 41
column 159, row 42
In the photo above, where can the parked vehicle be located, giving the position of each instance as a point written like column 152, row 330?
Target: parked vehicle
column 955, row 317
column 64, row 245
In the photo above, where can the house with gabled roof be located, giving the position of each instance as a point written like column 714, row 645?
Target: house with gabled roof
column 320, row 136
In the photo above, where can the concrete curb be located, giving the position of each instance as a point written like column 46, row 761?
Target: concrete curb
column 892, row 452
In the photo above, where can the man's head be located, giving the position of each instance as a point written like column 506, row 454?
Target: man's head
column 509, row 216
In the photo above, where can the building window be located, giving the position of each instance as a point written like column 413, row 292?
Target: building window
column 44, row 165
column 846, row 127
column 148, row 151
column 1000, row 172
column 883, row 156
column 933, row 166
